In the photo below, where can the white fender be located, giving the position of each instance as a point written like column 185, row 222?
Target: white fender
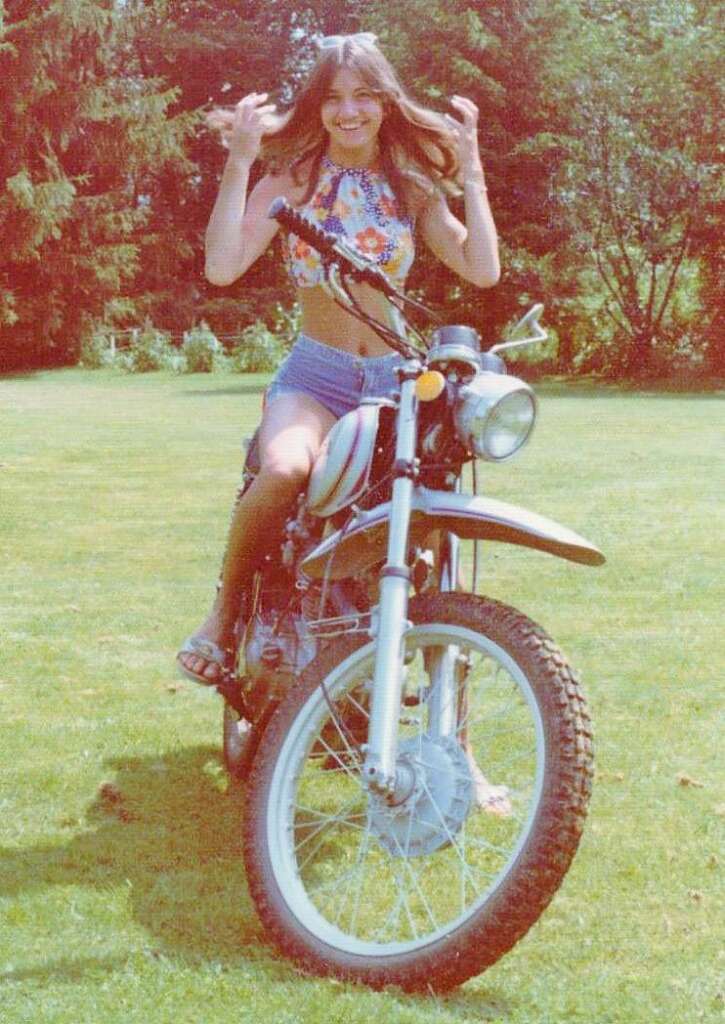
column 363, row 542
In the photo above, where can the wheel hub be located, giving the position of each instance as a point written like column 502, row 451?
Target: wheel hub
column 437, row 798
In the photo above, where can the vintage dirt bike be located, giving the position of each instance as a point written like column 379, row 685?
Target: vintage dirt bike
column 418, row 758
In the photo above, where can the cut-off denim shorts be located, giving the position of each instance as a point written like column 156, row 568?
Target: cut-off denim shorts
column 338, row 380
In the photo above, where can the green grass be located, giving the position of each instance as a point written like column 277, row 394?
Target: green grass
column 114, row 500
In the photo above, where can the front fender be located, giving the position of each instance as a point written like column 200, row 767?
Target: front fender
column 363, row 542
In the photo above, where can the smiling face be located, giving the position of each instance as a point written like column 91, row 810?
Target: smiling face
column 351, row 115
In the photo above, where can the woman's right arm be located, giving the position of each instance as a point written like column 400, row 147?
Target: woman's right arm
column 239, row 229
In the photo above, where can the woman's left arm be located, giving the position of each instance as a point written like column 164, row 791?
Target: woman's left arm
column 470, row 249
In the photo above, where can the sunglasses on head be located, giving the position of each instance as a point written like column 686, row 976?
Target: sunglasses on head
column 330, row 42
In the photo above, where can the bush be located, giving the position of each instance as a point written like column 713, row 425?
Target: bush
column 202, row 350
column 96, row 349
column 151, row 350
column 259, row 351
column 287, row 322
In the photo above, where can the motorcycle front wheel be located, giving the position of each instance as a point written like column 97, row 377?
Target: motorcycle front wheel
column 430, row 890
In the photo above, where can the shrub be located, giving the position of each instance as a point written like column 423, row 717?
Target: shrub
column 260, row 350
column 151, row 350
column 202, row 350
column 96, row 349
column 287, row 322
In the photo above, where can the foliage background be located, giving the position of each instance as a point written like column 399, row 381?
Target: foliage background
column 599, row 135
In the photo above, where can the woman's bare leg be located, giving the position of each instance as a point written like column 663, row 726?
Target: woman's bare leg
column 292, row 431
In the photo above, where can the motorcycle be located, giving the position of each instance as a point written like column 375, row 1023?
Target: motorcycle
column 418, row 765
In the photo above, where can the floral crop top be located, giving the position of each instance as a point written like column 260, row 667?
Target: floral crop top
column 359, row 204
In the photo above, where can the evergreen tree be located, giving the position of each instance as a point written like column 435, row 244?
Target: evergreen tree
column 83, row 142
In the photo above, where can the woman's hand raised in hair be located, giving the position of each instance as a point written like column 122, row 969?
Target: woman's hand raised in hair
column 242, row 127
column 466, row 133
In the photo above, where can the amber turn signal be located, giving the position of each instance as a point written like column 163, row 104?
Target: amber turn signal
column 429, row 385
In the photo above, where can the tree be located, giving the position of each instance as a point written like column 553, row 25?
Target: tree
column 81, row 142
column 495, row 54
column 212, row 52
column 599, row 134
column 639, row 187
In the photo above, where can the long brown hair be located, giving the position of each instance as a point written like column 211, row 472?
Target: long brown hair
column 418, row 151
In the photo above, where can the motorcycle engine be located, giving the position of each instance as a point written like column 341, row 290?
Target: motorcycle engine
column 277, row 649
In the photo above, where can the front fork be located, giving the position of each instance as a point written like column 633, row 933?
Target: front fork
column 380, row 772
column 444, row 662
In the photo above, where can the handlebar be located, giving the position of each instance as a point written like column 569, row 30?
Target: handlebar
column 331, row 247
column 335, row 249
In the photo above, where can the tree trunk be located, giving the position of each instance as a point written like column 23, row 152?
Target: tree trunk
column 639, row 362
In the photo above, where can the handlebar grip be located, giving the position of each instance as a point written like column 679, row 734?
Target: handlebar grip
column 289, row 218
column 329, row 244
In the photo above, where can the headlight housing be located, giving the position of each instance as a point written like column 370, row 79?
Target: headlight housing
column 495, row 415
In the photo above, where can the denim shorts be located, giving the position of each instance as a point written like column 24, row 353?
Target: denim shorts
column 338, row 380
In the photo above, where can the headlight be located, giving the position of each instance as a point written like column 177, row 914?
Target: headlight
column 495, row 415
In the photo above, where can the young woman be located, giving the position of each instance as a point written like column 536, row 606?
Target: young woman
column 358, row 157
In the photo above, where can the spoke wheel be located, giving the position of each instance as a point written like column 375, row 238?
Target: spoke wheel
column 431, row 889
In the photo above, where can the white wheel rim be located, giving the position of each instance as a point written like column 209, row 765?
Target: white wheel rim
column 282, row 804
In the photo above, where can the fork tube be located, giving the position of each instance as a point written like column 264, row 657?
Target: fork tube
column 379, row 770
column 443, row 701
column 443, row 664
column 450, row 548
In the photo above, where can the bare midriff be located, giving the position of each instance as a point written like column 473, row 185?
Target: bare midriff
column 325, row 321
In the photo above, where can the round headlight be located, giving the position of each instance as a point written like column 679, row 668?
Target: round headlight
column 495, row 415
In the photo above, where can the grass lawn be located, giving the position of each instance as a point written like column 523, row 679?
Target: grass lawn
column 122, row 894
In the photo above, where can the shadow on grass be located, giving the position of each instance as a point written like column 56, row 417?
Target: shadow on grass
column 166, row 829
column 18, row 374
column 239, row 389
column 583, row 388
column 65, row 969
column 592, row 389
